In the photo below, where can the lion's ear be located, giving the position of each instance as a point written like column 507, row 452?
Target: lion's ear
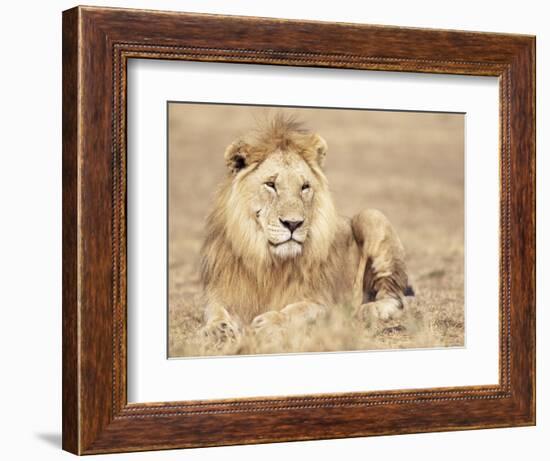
column 236, row 156
column 320, row 147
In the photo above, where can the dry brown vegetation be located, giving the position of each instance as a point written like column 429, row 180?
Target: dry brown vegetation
column 408, row 165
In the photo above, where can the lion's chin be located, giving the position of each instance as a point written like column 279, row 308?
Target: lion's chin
column 287, row 250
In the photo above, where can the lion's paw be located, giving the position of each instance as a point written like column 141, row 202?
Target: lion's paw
column 270, row 325
column 223, row 334
column 382, row 310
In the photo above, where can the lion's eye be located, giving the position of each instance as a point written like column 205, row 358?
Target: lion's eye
column 270, row 184
column 305, row 187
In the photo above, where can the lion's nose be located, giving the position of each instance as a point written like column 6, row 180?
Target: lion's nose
column 291, row 225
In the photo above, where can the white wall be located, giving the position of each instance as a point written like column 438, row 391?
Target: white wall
column 30, row 228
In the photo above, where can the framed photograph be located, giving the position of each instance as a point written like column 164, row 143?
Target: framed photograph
column 282, row 230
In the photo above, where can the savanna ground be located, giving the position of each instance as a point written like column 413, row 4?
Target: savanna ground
column 408, row 165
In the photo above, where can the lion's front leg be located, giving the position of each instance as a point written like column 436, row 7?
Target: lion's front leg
column 222, row 331
column 381, row 280
column 272, row 324
column 304, row 312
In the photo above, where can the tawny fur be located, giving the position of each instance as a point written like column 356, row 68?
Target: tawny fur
column 252, row 274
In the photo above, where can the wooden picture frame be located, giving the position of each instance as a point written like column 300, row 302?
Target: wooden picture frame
column 97, row 43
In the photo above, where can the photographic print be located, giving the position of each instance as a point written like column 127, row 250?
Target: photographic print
column 263, row 200
column 295, row 230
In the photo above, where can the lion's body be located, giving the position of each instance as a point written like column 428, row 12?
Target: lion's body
column 275, row 247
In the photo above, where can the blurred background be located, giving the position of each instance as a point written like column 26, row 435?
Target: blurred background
column 409, row 165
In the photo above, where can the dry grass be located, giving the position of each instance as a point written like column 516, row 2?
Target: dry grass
column 408, row 165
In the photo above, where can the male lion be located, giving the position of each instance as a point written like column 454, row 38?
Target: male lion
column 276, row 252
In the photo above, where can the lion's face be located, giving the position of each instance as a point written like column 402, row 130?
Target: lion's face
column 275, row 204
column 282, row 203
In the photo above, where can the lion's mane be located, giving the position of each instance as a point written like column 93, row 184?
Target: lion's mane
column 237, row 268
